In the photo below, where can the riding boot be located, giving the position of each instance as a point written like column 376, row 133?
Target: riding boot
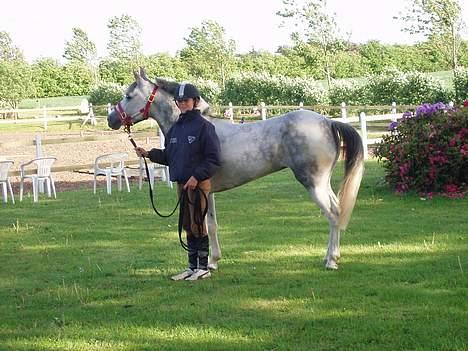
column 203, row 251
column 192, row 243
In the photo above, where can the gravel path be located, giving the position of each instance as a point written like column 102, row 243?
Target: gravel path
column 19, row 148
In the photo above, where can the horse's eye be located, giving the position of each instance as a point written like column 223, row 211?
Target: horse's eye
column 128, row 97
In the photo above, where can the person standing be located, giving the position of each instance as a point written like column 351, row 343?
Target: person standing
column 192, row 152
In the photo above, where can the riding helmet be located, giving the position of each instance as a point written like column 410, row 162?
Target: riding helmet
column 186, row 91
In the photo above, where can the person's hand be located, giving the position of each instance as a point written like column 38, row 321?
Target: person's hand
column 141, row 152
column 191, row 183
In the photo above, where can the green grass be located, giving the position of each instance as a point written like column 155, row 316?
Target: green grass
column 61, row 101
column 91, row 272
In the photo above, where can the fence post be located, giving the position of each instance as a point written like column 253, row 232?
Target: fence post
column 231, row 112
column 109, row 108
column 450, row 104
column 344, row 112
column 301, row 105
column 362, row 120
column 44, row 116
column 39, row 154
column 38, row 145
column 263, row 110
column 394, row 111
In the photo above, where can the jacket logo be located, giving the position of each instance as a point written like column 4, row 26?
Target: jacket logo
column 191, row 139
column 173, row 141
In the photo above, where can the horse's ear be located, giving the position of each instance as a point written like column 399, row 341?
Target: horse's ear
column 140, row 74
column 143, row 73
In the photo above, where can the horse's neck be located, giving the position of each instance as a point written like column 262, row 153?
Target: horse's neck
column 165, row 113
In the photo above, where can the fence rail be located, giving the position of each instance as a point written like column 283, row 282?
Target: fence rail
column 261, row 111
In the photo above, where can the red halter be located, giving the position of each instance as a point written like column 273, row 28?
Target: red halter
column 127, row 120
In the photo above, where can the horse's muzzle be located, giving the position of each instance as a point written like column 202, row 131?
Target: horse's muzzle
column 113, row 120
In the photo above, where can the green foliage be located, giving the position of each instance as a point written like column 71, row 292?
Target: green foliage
column 461, row 84
column 76, row 79
column 428, row 152
column 105, row 93
column 316, row 27
column 118, row 71
column 253, row 88
column 351, row 92
column 211, row 91
column 440, row 21
column 405, row 88
column 53, row 79
column 166, row 66
column 7, row 50
column 16, row 77
column 47, row 77
column 208, row 53
column 80, row 48
column 124, row 39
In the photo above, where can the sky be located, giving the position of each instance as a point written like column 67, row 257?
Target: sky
column 41, row 28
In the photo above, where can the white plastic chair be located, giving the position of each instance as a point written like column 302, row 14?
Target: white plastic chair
column 4, row 181
column 152, row 168
column 42, row 173
column 111, row 165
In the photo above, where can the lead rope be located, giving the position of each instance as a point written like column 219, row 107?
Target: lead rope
column 199, row 214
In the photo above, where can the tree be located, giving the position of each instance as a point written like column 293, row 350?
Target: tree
column 7, row 50
column 316, row 27
column 440, row 21
column 208, row 53
column 80, row 48
column 47, row 76
column 124, row 42
column 16, row 77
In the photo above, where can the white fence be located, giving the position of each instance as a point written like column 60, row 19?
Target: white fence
column 361, row 120
column 44, row 115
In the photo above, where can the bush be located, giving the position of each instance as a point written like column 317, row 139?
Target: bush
column 209, row 89
column 253, row 88
column 405, row 88
column 104, row 93
column 351, row 92
column 427, row 152
column 461, row 84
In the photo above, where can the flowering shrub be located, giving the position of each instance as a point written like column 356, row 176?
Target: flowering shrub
column 427, row 151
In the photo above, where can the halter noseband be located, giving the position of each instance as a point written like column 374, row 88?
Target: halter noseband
column 127, row 121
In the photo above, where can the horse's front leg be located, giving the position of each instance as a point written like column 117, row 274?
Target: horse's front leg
column 215, row 252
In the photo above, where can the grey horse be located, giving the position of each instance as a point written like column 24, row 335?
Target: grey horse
column 306, row 142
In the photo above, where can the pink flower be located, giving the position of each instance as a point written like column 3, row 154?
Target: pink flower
column 451, row 188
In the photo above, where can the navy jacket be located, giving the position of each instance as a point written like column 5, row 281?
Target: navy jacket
column 191, row 148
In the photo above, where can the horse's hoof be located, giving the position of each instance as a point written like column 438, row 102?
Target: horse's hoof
column 332, row 265
column 212, row 266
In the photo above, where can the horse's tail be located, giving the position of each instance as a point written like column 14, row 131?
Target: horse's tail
column 354, row 169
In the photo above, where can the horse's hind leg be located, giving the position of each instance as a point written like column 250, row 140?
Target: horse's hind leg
column 215, row 252
column 323, row 195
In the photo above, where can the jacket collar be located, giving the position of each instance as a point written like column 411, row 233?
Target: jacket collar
column 188, row 116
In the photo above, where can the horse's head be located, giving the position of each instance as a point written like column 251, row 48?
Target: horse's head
column 131, row 108
column 140, row 95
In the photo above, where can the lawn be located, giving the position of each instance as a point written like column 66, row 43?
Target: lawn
column 91, row 272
